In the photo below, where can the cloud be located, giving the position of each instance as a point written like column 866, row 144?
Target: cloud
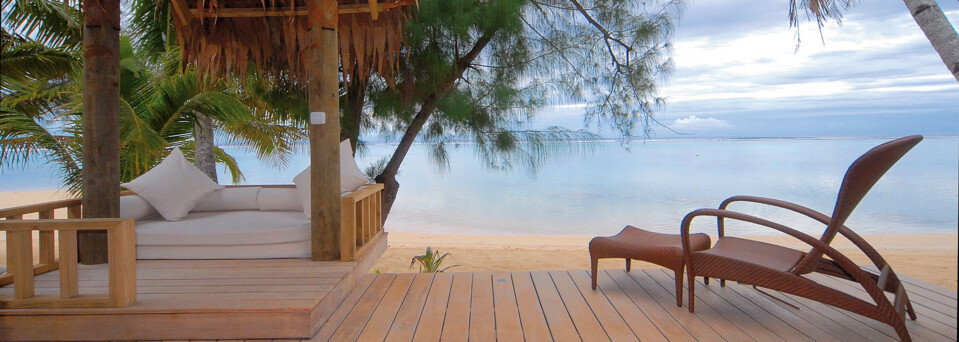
column 694, row 123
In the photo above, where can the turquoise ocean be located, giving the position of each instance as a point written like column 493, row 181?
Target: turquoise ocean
column 650, row 184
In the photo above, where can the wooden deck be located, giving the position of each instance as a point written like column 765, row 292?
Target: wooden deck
column 479, row 306
column 199, row 299
column 640, row 305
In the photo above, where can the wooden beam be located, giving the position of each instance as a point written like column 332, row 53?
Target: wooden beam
column 47, row 241
column 254, row 12
column 20, row 261
column 69, row 286
column 60, row 224
column 374, row 8
column 101, row 121
column 183, row 12
column 323, row 92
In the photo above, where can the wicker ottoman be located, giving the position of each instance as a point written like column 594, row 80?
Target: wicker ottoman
column 633, row 243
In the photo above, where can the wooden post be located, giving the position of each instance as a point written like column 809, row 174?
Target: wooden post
column 322, row 71
column 101, row 121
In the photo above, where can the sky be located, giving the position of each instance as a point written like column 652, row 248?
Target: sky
column 738, row 74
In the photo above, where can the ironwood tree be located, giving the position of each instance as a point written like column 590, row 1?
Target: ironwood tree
column 478, row 70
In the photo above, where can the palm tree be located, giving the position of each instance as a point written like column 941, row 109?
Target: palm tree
column 927, row 14
column 160, row 106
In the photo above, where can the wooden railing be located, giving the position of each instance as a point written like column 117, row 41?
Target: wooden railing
column 362, row 220
column 44, row 211
column 121, row 256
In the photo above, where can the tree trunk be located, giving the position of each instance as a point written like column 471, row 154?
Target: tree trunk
column 101, row 122
column 353, row 116
column 938, row 30
column 322, row 70
column 388, row 177
column 203, row 152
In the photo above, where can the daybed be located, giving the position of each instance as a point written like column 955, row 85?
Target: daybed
column 247, row 222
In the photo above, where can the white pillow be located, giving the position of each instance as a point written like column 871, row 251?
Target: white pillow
column 135, row 207
column 241, row 198
column 302, row 182
column 351, row 178
column 270, row 199
column 174, row 186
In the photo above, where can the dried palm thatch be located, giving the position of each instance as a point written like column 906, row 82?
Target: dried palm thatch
column 223, row 36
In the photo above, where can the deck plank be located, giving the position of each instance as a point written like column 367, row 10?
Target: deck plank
column 757, row 313
column 560, row 324
column 482, row 325
column 505, row 306
column 728, row 316
column 924, row 306
column 638, row 320
column 582, row 315
column 430, row 326
column 456, row 324
column 612, row 322
column 355, row 321
column 506, row 311
column 653, row 298
column 385, row 313
column 409, row 315
column 919, row 332
column 873, row 332
column 532, row 317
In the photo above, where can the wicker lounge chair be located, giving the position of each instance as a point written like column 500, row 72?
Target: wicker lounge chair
column 782, row 269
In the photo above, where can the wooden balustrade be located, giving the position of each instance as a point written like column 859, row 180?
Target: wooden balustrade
column 21, row 268
column 362, row 220
column 121, row 253
column 47, row 261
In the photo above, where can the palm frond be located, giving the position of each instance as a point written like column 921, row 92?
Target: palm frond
column 54, row 23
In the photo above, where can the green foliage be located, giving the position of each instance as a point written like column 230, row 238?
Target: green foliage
column 479, row 70
column 431, row 261
column 41, row 108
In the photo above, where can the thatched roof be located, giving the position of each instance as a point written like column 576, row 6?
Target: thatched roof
column 222, row 36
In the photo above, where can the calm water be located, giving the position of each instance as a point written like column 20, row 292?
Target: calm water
column 651, row 185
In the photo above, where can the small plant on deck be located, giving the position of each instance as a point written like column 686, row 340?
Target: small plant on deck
column 431, row 261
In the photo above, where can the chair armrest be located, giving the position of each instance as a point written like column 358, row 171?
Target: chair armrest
column 858, row 241
column 858, row 274
column 815, row 215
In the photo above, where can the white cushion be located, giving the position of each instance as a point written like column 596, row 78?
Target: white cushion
column 351, row 178
column 174, row 186
column 302, row 182
column 221, row 228
column 298, row 249
column 242, row 198
column 270, row 199
column 135, row 207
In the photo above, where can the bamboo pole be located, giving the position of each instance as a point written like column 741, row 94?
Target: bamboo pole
column 323, row 92
column 101, row 120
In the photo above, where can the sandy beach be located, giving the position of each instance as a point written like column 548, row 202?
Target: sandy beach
column 929, row 257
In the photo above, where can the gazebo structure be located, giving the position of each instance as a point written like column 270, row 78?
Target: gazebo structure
column 300, row 39
column 309, row 41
